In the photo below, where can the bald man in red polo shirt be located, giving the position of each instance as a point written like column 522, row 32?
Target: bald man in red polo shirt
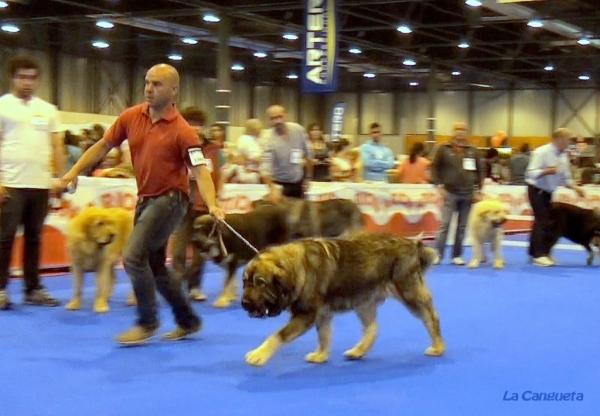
column 162, row 144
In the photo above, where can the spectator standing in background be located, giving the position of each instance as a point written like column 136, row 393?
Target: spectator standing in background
column 517, row 165
column 30, row 140
column 457, row 170
column 376, row 157
column 415, row 168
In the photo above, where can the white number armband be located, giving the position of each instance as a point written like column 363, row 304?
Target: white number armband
column 196, row 156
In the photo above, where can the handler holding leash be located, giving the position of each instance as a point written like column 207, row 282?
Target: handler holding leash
column 548, row 168
column 162, row 143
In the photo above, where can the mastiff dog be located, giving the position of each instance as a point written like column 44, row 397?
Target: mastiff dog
column 316, row 278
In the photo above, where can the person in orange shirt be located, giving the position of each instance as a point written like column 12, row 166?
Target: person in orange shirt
column 415, row 168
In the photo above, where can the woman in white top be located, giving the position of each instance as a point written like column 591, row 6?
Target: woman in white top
column 249, row 145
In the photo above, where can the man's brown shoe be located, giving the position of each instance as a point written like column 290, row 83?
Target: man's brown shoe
column 136, row 335
column 180, row 333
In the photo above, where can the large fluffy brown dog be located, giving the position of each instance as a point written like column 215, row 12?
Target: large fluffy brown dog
column 262, row 227
column 485, row 226
column 96, row 238
column 316, row 278
column 329, row 218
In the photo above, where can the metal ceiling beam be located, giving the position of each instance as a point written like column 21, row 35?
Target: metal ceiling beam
column 521, row 12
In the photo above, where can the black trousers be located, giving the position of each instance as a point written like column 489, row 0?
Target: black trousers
column 293, row 190
column 539, row 240
column 28, row 207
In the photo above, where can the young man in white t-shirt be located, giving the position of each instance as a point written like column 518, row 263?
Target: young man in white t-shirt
column 29, row 139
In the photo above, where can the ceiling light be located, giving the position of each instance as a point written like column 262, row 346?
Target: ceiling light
column 175, row 57
column 409, row 62
column 463, row 45
column 584, row 77
column 354, row 51
column 100, row 44
column 413, row 83
column 290, row 36
column 549, row 67
column 369, row 75
column 291, row 76
column 3, row 4
column 189, row 41
column 455, row 73
column 237, row 67
column 535, row 23
column 584, row 41
column 260, row 54
column 473, row 3
column 404, row 29
column 10, row 28
column 104, row 24
column 211, row 18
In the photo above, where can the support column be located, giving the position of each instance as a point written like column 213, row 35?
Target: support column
column 554, row 110
column 359, row 115
column 511, row 110
column 55, row 76
column 470, row 108
column 223, row 96
column 432, row 90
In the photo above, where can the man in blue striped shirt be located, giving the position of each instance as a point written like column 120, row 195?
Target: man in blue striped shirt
column 548, row 168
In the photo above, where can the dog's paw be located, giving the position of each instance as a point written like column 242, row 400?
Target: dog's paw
column 473, row 264
column 101, row 306
column 435, row 351
column 257, row 357
column 131, row 299
column 354, row 354
column 317, row 357
column 74, row 305
column 224, row 301
column 498, row 264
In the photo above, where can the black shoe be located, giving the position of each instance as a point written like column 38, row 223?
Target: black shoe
column 40, row 297
column 5, row 303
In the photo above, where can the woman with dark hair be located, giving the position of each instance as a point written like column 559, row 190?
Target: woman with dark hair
column 320, row 151
column 415, row 168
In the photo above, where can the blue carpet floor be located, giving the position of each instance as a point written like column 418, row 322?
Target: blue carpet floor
column 511, row 331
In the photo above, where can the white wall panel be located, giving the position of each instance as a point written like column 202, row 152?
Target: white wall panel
column 451, row 106
column 532, row 114
column 414, row 112
column 585, row 102
column 490, row 112
column 311, row 109
column 378, row 108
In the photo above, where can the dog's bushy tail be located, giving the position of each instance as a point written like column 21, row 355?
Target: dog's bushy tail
column 427, row 255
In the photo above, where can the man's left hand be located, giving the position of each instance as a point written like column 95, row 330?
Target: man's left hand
column 579, row 191
column 217, row 212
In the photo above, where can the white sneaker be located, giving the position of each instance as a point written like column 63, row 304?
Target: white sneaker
column 437, row 260
column 543, row 261
column 458, row 261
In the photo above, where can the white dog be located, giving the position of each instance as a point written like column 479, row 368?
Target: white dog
column 485, row 226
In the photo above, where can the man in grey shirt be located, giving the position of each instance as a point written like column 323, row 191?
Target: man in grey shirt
column 518, row 165
column 458, row 172
column 286, row 156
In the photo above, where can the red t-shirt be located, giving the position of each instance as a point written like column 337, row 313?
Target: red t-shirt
column 159, row 151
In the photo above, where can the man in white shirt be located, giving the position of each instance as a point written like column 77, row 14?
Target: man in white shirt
column 548, row 168
column 29, row 139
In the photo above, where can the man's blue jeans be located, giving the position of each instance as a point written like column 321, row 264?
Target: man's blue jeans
column 145, row 255
column 462, row 205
